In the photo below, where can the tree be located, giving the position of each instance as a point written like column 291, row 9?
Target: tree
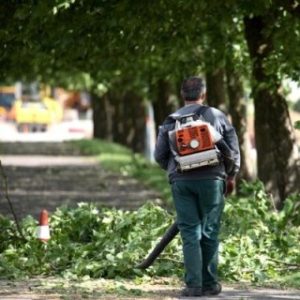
column 277, row 156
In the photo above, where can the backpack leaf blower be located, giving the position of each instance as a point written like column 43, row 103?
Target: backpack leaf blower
column 195, row 143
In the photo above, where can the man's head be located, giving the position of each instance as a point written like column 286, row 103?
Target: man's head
column 193, row 89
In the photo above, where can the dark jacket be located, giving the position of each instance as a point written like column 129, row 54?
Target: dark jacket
column 219, row 121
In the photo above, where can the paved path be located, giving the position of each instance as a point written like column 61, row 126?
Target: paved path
column 102, row 289
column 45, row 176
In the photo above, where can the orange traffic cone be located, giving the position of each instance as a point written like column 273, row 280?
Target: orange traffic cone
column 43, row 231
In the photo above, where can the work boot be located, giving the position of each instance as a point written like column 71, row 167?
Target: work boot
column 192, row 292
column 211, row 290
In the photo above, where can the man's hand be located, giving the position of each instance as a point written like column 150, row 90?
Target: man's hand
column 230, row 185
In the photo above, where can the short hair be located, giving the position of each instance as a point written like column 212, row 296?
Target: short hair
column 192, row 88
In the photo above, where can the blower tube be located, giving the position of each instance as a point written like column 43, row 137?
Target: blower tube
column 165, row 240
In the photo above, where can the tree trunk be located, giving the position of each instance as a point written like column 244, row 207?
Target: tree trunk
column 134, row 111
column 102, row 117
column 126, row 119
column 237, row 111
column 215, row 85
column 117, row 118
column 277, row 155
column 163, row 105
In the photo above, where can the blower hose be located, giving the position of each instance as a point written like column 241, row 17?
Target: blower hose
column 165, row 240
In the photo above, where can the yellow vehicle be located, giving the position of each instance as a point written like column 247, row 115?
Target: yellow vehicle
column 32, row 116
column 56, row 110
column 35, row 111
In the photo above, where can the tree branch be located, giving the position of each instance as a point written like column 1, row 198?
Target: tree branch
column 6, row 195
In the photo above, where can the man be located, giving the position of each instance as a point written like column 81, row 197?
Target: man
column 198, row 194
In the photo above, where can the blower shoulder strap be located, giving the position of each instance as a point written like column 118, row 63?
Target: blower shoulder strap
column 201, row 111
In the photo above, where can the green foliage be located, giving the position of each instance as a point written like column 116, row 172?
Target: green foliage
column 64, row 39
column 89, row 241
column 99, row 147
column 257, row 243
column 7, row 232
column 291, row 280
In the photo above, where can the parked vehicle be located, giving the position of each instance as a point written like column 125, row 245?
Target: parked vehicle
column 32, row 116
column 7, row 99
column 35, row 111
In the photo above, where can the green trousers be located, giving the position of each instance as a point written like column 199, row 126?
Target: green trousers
column 199, row 205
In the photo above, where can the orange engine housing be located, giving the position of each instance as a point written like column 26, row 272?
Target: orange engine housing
column 193, row 139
